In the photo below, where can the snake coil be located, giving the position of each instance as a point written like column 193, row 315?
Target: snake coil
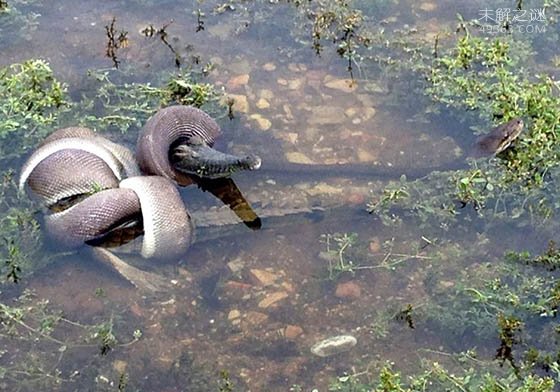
column 93, row 187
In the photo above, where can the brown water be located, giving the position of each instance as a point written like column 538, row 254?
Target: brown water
column 254, row 302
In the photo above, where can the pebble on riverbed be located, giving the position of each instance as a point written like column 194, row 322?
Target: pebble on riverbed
column 344, row 85
column 263, row 123
column 348, row 290
column 334, row 345
column 240, row 102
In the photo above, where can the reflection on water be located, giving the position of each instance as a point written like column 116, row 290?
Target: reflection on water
column 245, row 306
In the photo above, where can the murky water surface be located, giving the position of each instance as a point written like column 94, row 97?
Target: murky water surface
column 253, row 303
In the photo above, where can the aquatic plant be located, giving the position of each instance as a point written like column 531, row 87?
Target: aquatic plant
column 125, row 105
column 150, row 31
column 31, row 103
column 435, row 377
column 486, row 75
column 509, row 303
column 17, row 22
column 33, row 323
column 337, row 22
column 115, row 41
column 512, row 299
column 19, row 232
column 337, row 246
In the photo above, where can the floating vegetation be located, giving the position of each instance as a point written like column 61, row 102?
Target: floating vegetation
column 199, row 20
column 16, row 24
column 406, row 316
column 115, row 41
column 513, row 299
column 339, row 23
column 150, row 31
column 19, row 232
column 46, row 341
column 31, row 103
column 474, row 375
column 549, row 260
column 128, row 104
column 345, row 254
column 509, row 327
column 486, row 75
column 12, row 261
column 337, row 247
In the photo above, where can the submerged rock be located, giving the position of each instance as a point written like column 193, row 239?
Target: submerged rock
column 292, row 331
column 269, row 67
column 262, row 104
column 264, row 277
column 240, row 102
column 238, row 81
column 428, row 6
column 272, row 299
column 348, row 290
column 334, row 345
column 325, row 115
column 263, row 123
column 344, row 85
column 298, row 157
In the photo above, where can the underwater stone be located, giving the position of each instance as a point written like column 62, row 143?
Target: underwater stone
column 348, row 290
column 263, row 277
column 266, row 94
column 234, row 314
column 255, row 318
column 240, row 102
column 298, row 157
column 269, row 67
column 292, row 331
column 262, row 104
column 334, row 345
column 344, row 85
column 365, row 155
column 368, row 113
column 272, row 298
column 238, row 81
column 324, row 115
column 263, row 123
column 428, row 6
column 323, row 188
column 295, row 84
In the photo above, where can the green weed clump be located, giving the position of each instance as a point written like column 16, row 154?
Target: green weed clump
column 492, row 76
column 489, row 78
column 31, row 103
column 125, row 105
column 17, row 22
column 39, row 345
column 20, row 234
column 437, row 378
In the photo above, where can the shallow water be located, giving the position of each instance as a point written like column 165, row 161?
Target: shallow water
column 253, row 303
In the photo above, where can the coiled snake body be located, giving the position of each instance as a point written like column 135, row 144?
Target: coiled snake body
column 94, row 187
